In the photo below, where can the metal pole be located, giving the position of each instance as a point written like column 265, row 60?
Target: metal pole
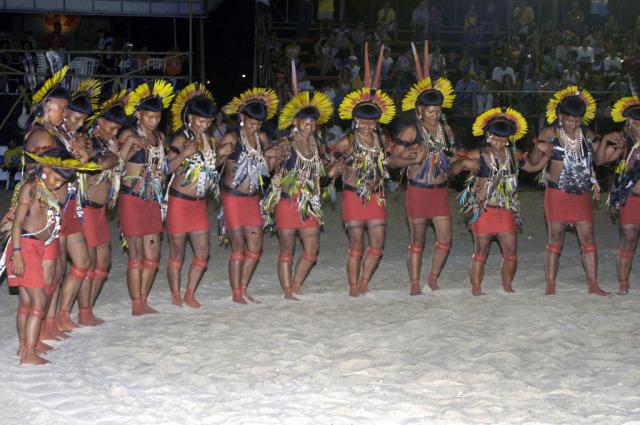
column 342, row 9
column 202, row 55
column 255, row 46
column 190, row 41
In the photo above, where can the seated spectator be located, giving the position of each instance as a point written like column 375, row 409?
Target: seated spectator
column 465, row 89
column 523, row 18
column 515, row 49
column 468, row 62
column 585, row 55
column 342, row 55
column 346, row 82
column 103, row 38
column 387, row 64
column 387, row 19
column 55, row 40
column 531, row 96
column 500, row 71
column 506, row 97
column 342, row 31
column 484, row 97
column 358, row 36
column 437, row 62
column 575, row 20
column 420, row 21
column 435, row 22
column 618, row 87
column 571, row 75
column 322, row 52
column 562, row 48
column 381, row 36
column 612, row 65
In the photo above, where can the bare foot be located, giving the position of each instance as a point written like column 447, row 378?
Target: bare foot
column 363, row 287
column 551, row 288
column 297, row 288
column 176, row 299
column 64, row 322
column 137, row 309
column 247, row 296
column 354, row 291
column 432, row 281
column 507, row 288
column 415, row 288
column 594, row 289
column 42, row 347
column 86, row 317
column 288, row 295
column 190, row 299
column 475, row 289
column 29, row 356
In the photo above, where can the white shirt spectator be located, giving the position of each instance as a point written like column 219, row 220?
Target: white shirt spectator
column 585, row 54
column 612, row 65
column 499, row 72
column 333, row 134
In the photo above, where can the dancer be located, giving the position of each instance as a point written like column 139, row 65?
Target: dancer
column 36, row 224
column 295, row 190
column 624, row 147
column 142, row 189
column 192, row 161
column 425, row 149
column 360, row 157
column 97, row 192
column 565, row 149
column 491, row 196
column 245, row 168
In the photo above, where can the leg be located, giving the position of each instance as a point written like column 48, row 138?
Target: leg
column 418, row 233
column 200, row 242
column 177, row 243
column 354, row 259
column 253, row 238
column 509, row 245
column 21, row 318
column 481, row 245
column 32, row 326
column 77, row 250
column 103, row 264
column 441, row 249
column 310, row 246
column 235, row 264
column 627, row 248
column 589, row 256
column 552, row 256
column 85, row 306
column 134, row 274
column 50, row 330
column 287, row 240
column 376, row 231
column 151, row 249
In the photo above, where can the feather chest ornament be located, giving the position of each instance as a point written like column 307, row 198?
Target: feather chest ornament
column 251, row 164
column 370, row 170
column 200, row 168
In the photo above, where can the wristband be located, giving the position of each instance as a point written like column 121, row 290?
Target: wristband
column 16, row 249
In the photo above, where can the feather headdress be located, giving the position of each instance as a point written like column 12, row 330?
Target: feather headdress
column 47, row 87
column 256, row 94
column 117, row 99
column 161, row 89
column 73, row 164
column 303, row 100
column 182, row 99
column 91, row 89
column 559, row 96
column 622, row 106
column 424, row 83
column 370, row 93
column 495, row 114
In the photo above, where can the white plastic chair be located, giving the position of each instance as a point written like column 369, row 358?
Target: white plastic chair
column 84, row 67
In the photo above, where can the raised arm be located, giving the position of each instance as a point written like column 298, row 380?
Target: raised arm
column 131, row 143
column 610, row 148
column 405, row 153
column 469, row 162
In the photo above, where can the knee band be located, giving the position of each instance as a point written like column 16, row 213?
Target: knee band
column 236, row 256
column 174, row 263
column 510, row 258
column 625, row 254
column 415, row 249
column 77, row 272
column 36, row 312
column 374, row 252
column 588, row 248
column 309, row 257
column 23, row 310
column 478, row 258
column 442, row 246
column 285, row 258
column 135, row 264
column 101, row 273
column 354, row 253
column 150, row 264
column 200, row 263
column 252, row 255
column 554, row 249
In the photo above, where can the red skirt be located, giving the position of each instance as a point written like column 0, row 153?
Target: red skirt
column 53, row 250
column 567, row 207
column 493, row 221
column 427, row 203
column 95, row 226
column 241, row 211
column 355, row 209
column 70, row 222
column 186, row 215
column 32, row 256
column 288, row 216
column 139, row 217
column 630, row 213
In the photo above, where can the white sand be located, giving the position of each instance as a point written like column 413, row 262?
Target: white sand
column 445, row 357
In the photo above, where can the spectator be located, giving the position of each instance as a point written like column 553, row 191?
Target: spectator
column 612, row 65
column 465, row 89
column 515, row 49
column 468, row 63
column 500, row 71
column 435, row 22
column 381, row 36
column 484, row 97
column 420, row 20
column 343, row 32
column 325, row 14
column 506, row 97
column 575, row 20
column 304, row 18
column 221, row 124
column 353, row 66
column 562, row 48
column 599, row 12
column 358, row 36
column 343, row 54
column 571, row 75
column 611, row 26
column 332, row 134
column 346, row 82
column 437, row 62
column 322, row 51
column 489, row 18
column 523, row 18
column 584, row 53
column 12, row 161
column 531, row 96
column 55, row 40
column 103, row 38
column 387, row 19
column 387, row 64
column 470, row 17
column 618, row 87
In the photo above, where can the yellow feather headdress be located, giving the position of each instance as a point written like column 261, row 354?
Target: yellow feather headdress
column 91, row 89
column 181, row 100
column 72, row 164
column 619, row 109
column 117, row 99
column 41, row 94
column 494, row 114
column 161, row 89
column 370, row 93
column 319, row 101
column 559, row 96
column 256, row 94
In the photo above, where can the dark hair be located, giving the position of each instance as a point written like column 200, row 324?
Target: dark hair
column 308, row 113
column 367, row 111
column 116, row 114
column 430, row 98
column 152, row 104
column 81, row 104
column 633, row 112
column 573, row 106
column 500, row 127
column 256, row 110
column 201, row 106
column 59, row 93
column 62, row 153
